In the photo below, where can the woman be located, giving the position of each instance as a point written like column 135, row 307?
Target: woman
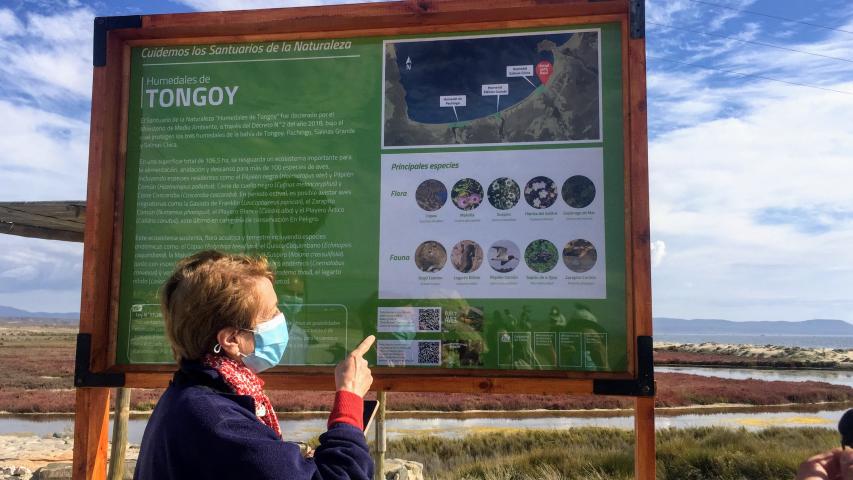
column 214, row 421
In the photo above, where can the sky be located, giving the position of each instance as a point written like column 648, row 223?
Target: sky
column 750, row 150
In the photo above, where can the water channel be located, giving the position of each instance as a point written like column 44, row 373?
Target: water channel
column 301, row 428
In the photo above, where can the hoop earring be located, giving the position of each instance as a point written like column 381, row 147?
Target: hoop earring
column 217, row 348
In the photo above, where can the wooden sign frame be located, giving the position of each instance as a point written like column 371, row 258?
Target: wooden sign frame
column 96, row 370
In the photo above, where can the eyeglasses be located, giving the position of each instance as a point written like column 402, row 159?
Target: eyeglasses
column 277, row 313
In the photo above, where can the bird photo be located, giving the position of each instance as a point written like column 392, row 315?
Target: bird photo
column 504, row 256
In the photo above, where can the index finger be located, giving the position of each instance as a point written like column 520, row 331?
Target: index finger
column 364, row 346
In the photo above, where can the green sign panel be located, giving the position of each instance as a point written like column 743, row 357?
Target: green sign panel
column 459, row 196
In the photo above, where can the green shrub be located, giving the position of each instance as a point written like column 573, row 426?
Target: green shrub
column 708, row 453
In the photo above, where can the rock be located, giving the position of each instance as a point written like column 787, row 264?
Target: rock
column 62, row 471
column 399, row 469
column 129, row 467
column 53, row 471
column 23, row 472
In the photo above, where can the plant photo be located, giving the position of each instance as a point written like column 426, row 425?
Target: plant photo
column 467, row 194
column 540, row 192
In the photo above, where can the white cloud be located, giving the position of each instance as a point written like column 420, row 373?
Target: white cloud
column 38, row 300
column 31, row 264
column 709, row 182
column 749, row 177
column 50, row 57
column 658, row 252
column 43, row 155
column 665, row 11
column 9, row 24
column 722, row 16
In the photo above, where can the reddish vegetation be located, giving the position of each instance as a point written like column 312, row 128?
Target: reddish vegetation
column 674, row 389
column 459, row 402
column 36, row 370
column 36, row 376
column 678, row 389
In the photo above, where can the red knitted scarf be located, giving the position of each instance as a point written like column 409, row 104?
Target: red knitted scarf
column 245, row 382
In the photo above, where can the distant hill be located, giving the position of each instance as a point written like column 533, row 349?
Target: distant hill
column 662, row 325
column 680, row 326
column 10, row 315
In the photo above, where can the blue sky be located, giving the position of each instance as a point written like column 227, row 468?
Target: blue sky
column 751, row 207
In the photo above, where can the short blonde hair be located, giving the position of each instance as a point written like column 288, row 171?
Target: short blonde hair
column 209, row 291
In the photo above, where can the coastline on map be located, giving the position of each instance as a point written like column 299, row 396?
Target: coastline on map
column 564, row 108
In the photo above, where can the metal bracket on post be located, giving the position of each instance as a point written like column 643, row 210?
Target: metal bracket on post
column 104, row 25
column 637, row 18
column 83, row 377
column 643, row 386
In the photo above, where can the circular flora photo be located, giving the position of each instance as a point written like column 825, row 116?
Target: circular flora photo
column 540, row 192
column 504, row 193
column 431, row 195
column 467, row 194
column 541, row 256
column 504, row 256
column 466, row 256
column 578, row 191
column 579, row 255
column 430, row 256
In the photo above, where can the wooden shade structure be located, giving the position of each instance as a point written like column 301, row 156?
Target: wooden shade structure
column 51, row 220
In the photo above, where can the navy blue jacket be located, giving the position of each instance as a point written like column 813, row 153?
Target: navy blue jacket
column 200, row 429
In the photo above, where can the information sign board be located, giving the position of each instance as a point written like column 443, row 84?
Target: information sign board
column 465, row 179
column 472, row 193
column 489, row 236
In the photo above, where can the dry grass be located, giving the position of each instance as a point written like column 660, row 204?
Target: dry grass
column 607, row 454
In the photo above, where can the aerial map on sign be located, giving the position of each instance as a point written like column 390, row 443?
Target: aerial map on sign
column 524, row 88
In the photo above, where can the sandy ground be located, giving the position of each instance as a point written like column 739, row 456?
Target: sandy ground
column 844, row 358
column 33, row 452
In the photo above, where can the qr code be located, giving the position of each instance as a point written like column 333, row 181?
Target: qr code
column 429, row 319
column 429, row 353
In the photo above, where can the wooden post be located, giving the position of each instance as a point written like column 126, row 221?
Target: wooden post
column 91, row 421
column 381, row 445
column 92, row 406
column 644, row 430
column 644, row 407
column 119, row 447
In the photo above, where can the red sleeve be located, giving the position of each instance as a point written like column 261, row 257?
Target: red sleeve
column 348, row 408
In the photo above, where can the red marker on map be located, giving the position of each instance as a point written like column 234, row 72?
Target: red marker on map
column 544, row 69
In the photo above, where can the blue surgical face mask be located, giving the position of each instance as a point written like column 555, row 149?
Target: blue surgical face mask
column 270, row 341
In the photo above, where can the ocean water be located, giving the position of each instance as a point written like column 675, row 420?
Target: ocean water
column 804, row 341
column 461, row 67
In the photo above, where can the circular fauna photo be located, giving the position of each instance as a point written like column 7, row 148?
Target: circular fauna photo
column 504, row 256
column 430, row 256
column 467, row 256
column 541, row 256
column 504, row 193
column 431, row 195
column 540, row 192
column 579, row 255
column 467, row 194
column 578, row 191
